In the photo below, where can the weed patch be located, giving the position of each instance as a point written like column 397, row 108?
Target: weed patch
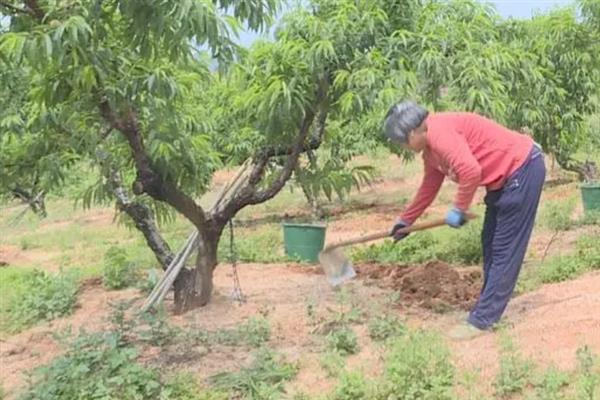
column 254, row 332
column 587, row 384
column 352, row 386
column 556, row 215
column 118, row 271
column 342, row 340
column 462, row 247
column 254, row 245
column 515, row 372
column 332, row 363
column 386, row 326
column 43, row 297
column 94, row 366
column 585, row 258
column 183, row 386
column 550, row 385
column 416, row 248
column 418, row 367
column 263, row 379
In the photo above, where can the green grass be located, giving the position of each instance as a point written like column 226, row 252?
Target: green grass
column 32, row 296
column 418, row 366
column 262, row 244
column 352, row 386
column 557, row 215
column 262, row 379
column 585, row 258
column 515, row 371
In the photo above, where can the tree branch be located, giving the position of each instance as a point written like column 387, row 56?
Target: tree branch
column 17, row 9
column 35, row 9
column 277, row 151
column 322, row 106
column 141, row 216
column 290, row 164
column 147, row 180
column 247, row 194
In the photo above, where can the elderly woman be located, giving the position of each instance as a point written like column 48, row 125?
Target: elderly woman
column 474, row 151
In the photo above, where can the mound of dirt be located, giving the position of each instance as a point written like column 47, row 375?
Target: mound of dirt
column 436, row 286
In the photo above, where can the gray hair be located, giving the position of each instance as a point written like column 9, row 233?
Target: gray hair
column 401, row 119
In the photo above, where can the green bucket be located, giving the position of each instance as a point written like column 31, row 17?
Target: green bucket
column 304, row 241
column 590, row 194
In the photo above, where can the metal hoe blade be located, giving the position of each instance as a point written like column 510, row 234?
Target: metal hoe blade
column 337, row 267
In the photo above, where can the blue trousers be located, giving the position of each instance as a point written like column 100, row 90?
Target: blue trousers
column 509, row 220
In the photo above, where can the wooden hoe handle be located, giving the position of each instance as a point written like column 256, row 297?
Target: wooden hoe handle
column 380, row 235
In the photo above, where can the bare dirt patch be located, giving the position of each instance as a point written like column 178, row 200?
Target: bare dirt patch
column 11, row 255
column 436, row 286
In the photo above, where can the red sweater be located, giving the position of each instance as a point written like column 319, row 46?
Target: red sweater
column 472, row 151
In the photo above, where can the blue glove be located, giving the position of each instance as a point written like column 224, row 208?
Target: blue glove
column 399, row 235
column 456, row 218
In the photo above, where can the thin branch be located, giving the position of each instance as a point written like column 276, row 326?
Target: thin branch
column 549, row 244
column 322, row 105
column 289, row 165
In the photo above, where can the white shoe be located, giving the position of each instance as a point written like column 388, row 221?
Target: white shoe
column 465, row 331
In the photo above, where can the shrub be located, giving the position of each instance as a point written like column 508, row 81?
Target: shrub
column 44, row 297
column 515, row 372
column 332, row 362
column 556, row 215
column 352, row 386
column 159, row 332
column 585, row 258
column 386, row 326
column 463, row 246
column 418, row 367
column 263, row 379
column 94, row 366
column 342, row 340
column 549, row 386
column 416, row 248
column 183, row 386
column 118, row 272
column 587, row 385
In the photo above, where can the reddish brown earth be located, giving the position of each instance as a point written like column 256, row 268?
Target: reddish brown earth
column 435, row 286
column 548, row 324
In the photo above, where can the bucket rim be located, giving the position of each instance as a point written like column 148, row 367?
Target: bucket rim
column 320, row 225
column 590, row 185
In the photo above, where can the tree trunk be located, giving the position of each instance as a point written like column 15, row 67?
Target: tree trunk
column 144, row 222
column 193, row 288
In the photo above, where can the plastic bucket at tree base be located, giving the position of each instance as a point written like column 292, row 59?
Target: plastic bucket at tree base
column 590, row 194
column 304, row 241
